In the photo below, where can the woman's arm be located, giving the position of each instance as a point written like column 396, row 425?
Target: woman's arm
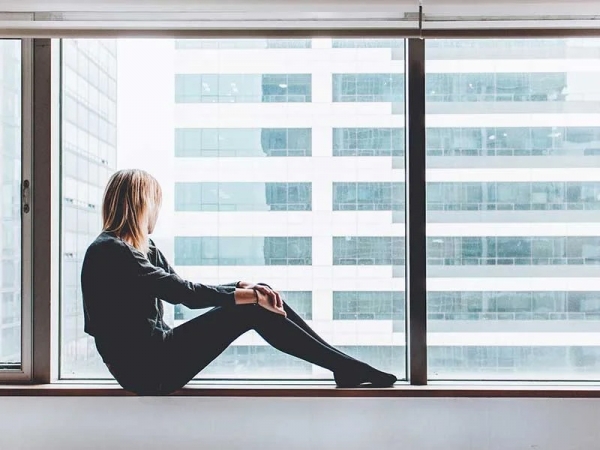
column 244, row 292
column 162, row 262
column 170, row 287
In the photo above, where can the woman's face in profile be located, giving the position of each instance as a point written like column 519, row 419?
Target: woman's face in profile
column 153, row 211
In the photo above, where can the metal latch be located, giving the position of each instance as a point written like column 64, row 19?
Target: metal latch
column 26, row 196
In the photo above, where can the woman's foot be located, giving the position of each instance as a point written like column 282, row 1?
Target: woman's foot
column 364, row 377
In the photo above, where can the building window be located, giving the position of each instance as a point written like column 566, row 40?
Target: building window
column 240, row 88
column 368, row 87
column 368, row 305
column 243, row 251
column 286, row 88
column 243, row 196
column 467, row 251
column 496, row 87
column 371, row 196
column 300, row 301
column 360, row 251
column 368, row 142
column 262, row 361
column 384, row 357
column 514, row 141
column 542, row 196
column 513, row 305
column 514, row 362
column 242, row 142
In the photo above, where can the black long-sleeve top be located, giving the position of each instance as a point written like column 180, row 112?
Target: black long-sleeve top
column 122, row 289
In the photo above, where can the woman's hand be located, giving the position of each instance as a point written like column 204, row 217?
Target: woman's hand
column 274, row 295
column 266, row 301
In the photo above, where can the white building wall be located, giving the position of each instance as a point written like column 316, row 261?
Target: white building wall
column 322, row 169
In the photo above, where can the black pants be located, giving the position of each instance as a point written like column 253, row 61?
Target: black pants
column 190, row 347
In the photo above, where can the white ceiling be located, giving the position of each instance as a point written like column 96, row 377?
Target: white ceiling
column 512, row 8
column 445, row 7
column 207, row 5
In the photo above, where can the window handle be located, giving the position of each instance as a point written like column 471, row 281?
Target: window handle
column 25, row 194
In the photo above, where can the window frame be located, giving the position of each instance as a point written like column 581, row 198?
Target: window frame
column 39, row 299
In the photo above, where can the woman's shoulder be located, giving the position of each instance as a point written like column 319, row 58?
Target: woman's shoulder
column 110, row 248
column 107, row 239
column 106, row 244
column 104, row 255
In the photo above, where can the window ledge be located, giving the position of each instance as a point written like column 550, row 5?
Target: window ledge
column 62, row 389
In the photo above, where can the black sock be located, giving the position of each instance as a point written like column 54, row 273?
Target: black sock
column 364, row 376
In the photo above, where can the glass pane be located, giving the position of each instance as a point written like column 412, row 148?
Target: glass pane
column 10, row 238
column 263, row 180
column 89, row 157
column 513, row 245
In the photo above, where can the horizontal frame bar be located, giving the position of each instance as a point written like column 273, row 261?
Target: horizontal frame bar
column 66, row 32
column 308, row 32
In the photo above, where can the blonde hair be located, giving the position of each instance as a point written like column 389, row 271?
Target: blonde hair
column 129, row 199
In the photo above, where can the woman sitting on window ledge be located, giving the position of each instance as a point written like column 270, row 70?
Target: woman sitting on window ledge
column 125, row 277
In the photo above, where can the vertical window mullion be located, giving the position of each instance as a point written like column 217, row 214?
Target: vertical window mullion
column 43, row 231
column 416, row 260
column 26, row 215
